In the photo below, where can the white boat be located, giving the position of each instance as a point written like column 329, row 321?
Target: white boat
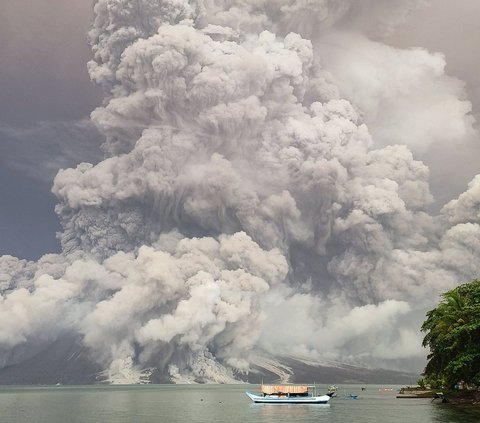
column 288, row 394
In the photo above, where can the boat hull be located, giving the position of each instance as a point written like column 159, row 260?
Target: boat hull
column 275, row 399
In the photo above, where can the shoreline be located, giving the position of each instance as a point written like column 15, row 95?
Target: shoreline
column 462, row 398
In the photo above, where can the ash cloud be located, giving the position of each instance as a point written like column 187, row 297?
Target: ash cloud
column 247, row 182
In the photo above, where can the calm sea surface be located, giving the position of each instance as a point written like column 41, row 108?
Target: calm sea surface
column 211, row 403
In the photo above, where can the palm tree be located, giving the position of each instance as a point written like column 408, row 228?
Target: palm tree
column 452, row 333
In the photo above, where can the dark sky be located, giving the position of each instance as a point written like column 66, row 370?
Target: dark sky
column 43, row 73
column 45, row 90
column 27, row 226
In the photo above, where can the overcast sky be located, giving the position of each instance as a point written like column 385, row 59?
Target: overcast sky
column 46, row 94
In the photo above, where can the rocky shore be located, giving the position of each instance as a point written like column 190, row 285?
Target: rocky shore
column 462, row 397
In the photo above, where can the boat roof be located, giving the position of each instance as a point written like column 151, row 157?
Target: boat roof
column 285, row 389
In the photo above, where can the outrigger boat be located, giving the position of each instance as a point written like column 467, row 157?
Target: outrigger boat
column 289, row 394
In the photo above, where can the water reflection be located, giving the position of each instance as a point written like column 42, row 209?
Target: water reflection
column 289, row 412
column 444, row 413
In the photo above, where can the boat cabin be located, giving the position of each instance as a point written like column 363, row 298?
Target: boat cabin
column 288, row 390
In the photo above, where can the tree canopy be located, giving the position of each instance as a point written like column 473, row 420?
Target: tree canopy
column 453, row 336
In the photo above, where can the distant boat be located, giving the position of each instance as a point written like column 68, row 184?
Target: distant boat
column 350, row 396
column 332, row 391
column 288, row 394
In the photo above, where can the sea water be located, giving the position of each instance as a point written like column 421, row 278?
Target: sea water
column 214, row 403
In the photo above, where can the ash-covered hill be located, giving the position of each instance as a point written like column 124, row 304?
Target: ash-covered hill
column 67, row 362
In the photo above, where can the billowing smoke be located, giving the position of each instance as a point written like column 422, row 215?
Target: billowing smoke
column 257, row 195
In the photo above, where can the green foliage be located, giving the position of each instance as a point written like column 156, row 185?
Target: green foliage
column 453, row 336
column 435, row 381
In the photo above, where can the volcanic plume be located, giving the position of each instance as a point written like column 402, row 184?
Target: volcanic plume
column 259, row 194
